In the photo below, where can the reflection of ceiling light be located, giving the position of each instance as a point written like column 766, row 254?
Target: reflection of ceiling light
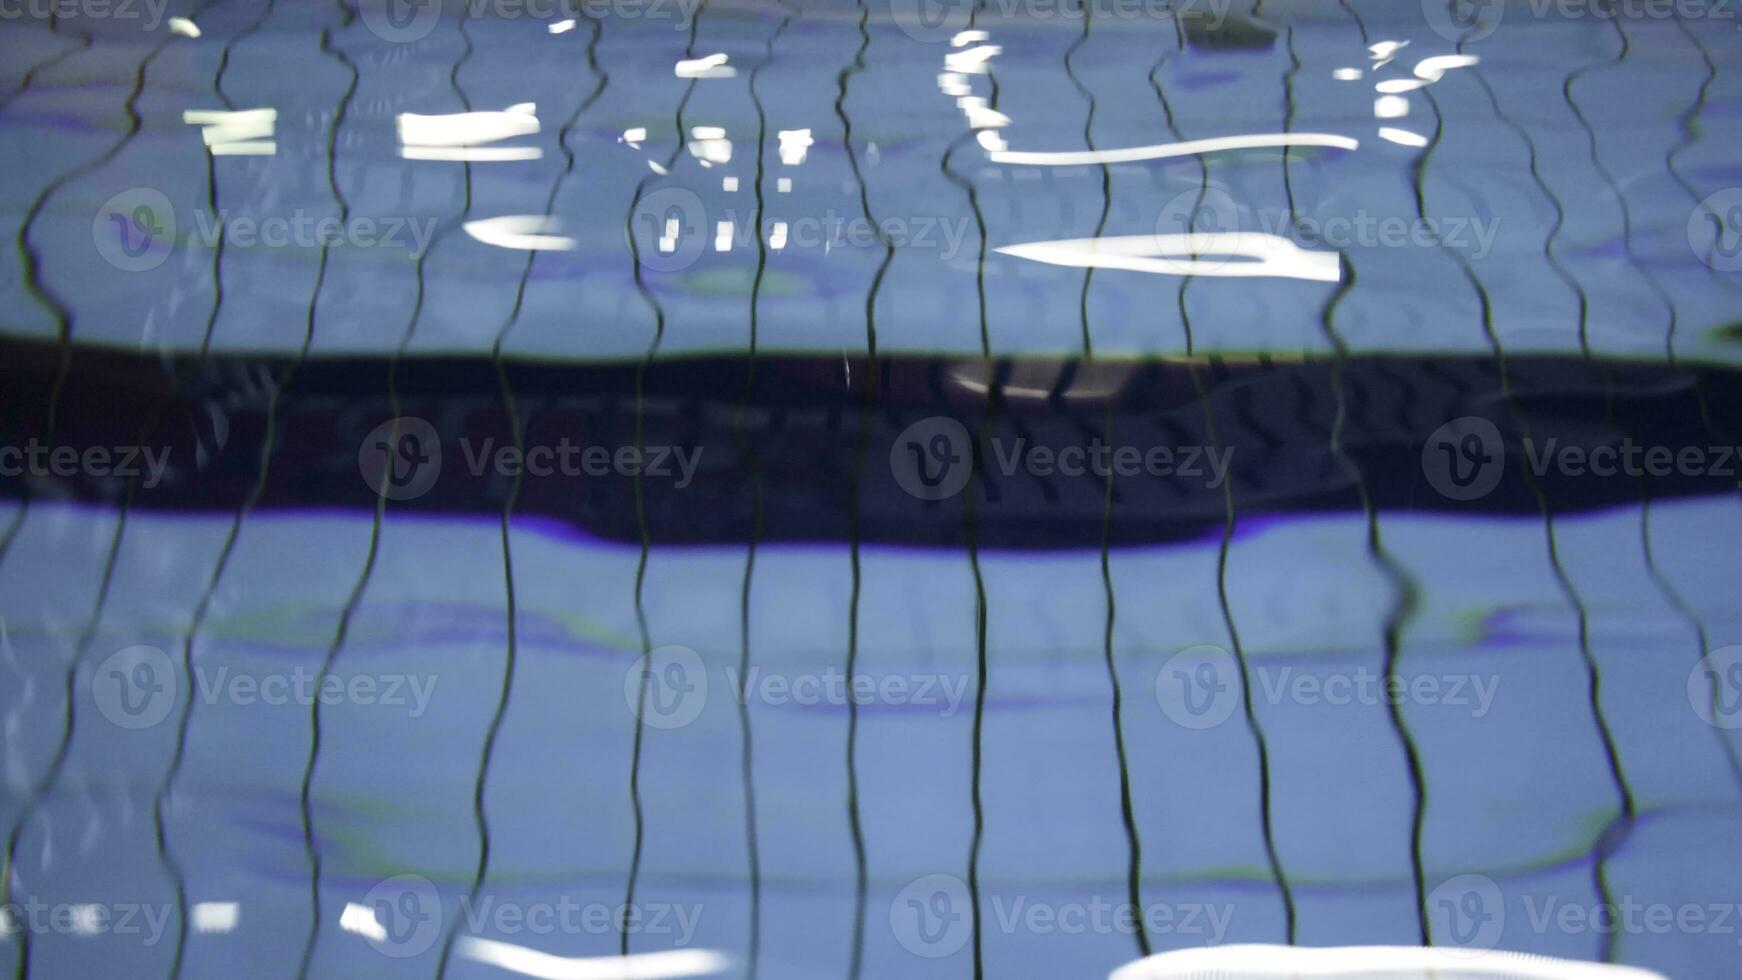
column 1346, row 74
column 1162, row 151
column 1395, row 86
column 215, row 917
column 794, row 145
column 972, row 61
column 527, row 232
column 1385, row 49
column 1270, row 962
column 562, row 26
column 712, row 66
column 1390, row 107
column 1235, row 254
column 544, row 966
column 968, row 37
column 459, row 135
column 992, row 141
column 708, row 132
column 247, row 132
column 360, row 919
column 953, row 83
column 1433, row 69
column 184, row 27
column 1402, row 137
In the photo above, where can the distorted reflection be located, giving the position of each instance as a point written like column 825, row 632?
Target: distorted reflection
column 1234, row 254
column 460, row 135
column 651, row 966
column 529, row 232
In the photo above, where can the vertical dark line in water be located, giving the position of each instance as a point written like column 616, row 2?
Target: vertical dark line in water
column 653, row 304
column 1127, row 811
column 1404, row 586
column 1560, row 213
column 855, row 963
column 1203, row 168
column 1617, row 830
column 311, row 851
column 1252, row 725
column 266, row 12
column 161, row 801
column 1407, row 593
column 45, row 786
column 971, row 514
column 857, row 959
column 841, row 81
column 753, row 464
column 1690, row 133
column 32, row 261
column 1644, row 271
column 1106, row 173
column 967, row 186
column 480, row 816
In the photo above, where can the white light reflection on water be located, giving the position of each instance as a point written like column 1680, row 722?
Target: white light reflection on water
column 1233, row 254
column 1262, row 962
column 532, row 963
